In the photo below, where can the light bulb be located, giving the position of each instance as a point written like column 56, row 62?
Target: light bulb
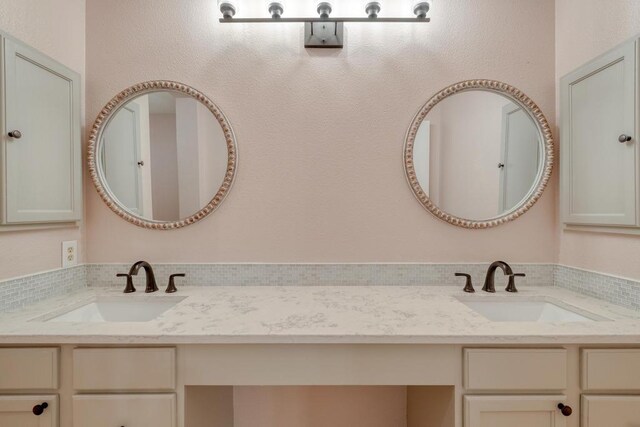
column 372, row 9
column 276, row 10
column 324, row 9
column 227, row 8
column 420, row 9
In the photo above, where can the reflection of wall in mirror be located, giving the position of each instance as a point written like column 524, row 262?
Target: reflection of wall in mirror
column 421, row 154
column 164, row 167
column 466, row 132
column 202, row 155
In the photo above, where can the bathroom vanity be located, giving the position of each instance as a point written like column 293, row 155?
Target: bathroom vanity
column 204, row 355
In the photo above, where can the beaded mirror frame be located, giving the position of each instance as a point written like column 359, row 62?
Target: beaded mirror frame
column 103, row 119
column 544, row 172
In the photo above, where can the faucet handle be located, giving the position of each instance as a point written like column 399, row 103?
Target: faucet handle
column 172, row 286
column 129, row 288
column 468, row 287
column 511, row 286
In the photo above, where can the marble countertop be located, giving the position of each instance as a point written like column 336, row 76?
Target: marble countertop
column 327, row 314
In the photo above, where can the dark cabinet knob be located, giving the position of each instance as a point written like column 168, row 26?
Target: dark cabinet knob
column 565, row 409
column 15, row 134
column 39, row 409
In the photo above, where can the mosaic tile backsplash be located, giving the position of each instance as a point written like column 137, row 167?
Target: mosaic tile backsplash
column 317, row 274
column 18, row 292
column 21, row 291
column 613, row 289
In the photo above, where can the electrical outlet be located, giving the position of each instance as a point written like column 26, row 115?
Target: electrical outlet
column 69, row 253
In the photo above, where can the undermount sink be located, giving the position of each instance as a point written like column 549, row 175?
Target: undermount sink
column 119, row 309
column 526, row 311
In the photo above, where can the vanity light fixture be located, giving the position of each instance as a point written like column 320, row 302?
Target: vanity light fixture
column 323, row 31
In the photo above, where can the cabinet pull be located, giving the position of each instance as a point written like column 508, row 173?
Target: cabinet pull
column 39, row 409
column 565, row 409
column 15, row 134
column 624, row 138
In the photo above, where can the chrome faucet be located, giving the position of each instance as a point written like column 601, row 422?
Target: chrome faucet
column 151, row 278
column 489, row 285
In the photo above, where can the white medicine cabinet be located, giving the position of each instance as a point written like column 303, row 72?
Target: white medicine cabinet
column 40, row 146
column 599, row 143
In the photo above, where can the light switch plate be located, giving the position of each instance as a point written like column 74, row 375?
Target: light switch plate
column 69, row 253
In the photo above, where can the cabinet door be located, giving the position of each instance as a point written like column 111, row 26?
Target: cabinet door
column 510, row 411
column 42, row 169
column 17, row 411
column 610, row 411
column 130, row 410
column 598, row 105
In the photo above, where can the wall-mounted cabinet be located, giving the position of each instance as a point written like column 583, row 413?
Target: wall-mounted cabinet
column 40, row 144
column 599, row 141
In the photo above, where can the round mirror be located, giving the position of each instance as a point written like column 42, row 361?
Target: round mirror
column 162, row 155
column 479, row 154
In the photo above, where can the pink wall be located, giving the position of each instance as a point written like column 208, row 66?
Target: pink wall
column 57, row 28
column 384, row 406
column 320, row 132
column 584, row 30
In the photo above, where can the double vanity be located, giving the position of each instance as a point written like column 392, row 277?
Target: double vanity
column 543, row 356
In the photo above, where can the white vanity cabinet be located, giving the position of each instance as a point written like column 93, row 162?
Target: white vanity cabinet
column 40, row 143
column 127, row 410
column 510, row 411
column 599, row 141
column 610, row 378
column 18, row 411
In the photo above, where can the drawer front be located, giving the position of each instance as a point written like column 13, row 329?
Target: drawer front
column 610, row 411
column 131, row 410
column 17, row 411
column 124, row 369
column 611, row 369
column 29, row 368
column 515, row 369
column 513, row 411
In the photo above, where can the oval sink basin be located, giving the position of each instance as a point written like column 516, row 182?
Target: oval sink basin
column 526, row 311
column 119, row 309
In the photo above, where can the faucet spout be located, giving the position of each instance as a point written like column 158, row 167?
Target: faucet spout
column 151, row 278
column 489, row 285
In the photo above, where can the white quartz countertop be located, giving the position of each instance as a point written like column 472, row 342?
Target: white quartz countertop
column 327, row 314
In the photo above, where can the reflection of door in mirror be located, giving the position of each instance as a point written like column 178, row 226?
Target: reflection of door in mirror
column 125, row 141
column 520, row 156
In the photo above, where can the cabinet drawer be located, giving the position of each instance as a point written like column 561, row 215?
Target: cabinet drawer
column 29, row 368
column 124, row 369
column 611, row 369
column 515, row 369
column 131, row 410
column 610, row 411
column 17, row 411
column 518, row 411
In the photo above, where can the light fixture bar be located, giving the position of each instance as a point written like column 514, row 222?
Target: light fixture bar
column 334, row 20
column 323, row 31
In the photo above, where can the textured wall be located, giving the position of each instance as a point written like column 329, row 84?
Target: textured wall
column 57, row 28
column 320, row 132
column 584, row 30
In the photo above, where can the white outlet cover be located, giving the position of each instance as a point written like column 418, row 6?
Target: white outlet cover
column 69, row 253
